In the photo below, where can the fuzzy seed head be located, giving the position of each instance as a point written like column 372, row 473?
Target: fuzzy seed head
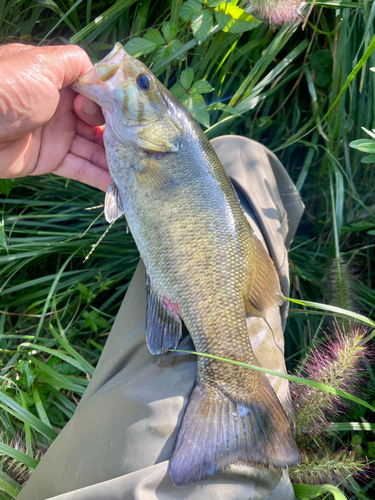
column 337, row 362
column 328, row 467
column 276, row 12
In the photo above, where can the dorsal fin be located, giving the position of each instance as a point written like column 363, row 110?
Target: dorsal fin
column 262, row 288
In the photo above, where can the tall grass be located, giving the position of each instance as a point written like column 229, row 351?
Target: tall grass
column 283, row 88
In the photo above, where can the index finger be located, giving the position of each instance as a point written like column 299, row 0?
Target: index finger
column 63, row 64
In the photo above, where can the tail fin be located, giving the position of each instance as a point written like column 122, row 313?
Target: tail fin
column 218, row 431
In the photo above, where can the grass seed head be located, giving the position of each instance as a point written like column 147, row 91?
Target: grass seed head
column 328, row 467
column 276, row 12
column 337, row 362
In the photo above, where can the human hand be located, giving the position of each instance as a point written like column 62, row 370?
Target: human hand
column 45, row 127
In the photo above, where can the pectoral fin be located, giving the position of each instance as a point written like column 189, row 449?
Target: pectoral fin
column 163, row 323
column 262, row 288
column 113, row 207
column 154, row 176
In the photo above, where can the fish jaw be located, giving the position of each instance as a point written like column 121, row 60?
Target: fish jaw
column 105, row 76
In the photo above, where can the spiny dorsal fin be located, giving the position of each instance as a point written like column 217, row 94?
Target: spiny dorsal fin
column 113, row 207
column 154, row 176
column 163, row 323
column 262, row 288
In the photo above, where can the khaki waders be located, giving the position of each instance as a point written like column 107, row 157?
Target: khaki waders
column 119, row 441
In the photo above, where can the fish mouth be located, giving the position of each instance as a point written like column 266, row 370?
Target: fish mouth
column 94, row 83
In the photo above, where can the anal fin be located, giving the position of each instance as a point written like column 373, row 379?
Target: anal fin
column 163, row 323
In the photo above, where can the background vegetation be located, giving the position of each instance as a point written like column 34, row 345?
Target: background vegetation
column 306, row 94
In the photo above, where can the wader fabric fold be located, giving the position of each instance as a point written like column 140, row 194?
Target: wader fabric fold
column 119, row 441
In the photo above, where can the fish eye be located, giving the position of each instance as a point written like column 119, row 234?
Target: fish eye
column 143, row 81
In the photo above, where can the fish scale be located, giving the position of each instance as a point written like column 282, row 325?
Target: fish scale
column 206, row 267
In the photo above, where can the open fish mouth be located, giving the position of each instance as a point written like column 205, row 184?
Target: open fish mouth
column 91, row 84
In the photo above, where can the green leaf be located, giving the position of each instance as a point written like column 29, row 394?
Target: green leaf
column 58, row 354
column 366, row 159
column 165, row 51
column 201, row 25
column 24, row 415
column 169, row 31
column 8, row 485
column 39, row 407
column 159, row 55
column 120, row 5
column 139, row 47
column 233, row 19
column 368, row 147
column 370, row 49
column 358, row 142
column 351, row 426
column 102, row 322
column 70, row 349
column 196, row 105
column 100, row 46
column 224, row 107
column 307, row 491
column 3, row 240
column 179, row 92
column 63, row 18
column 51, row 292
column 6, row 186
column 87, row 293
column 18, row 455
column 189, row 8
column 334, row 309
column 28, row 373
column 24, row 399
column 321, row 63
column 201, row 87
column 371, row 133
column 186, row 78
column 155, row 37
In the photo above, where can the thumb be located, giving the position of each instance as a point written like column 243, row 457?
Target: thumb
column 88, row 110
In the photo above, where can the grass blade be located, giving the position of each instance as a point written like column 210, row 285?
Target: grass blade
column 18, row 455
column 26, row 416
column 291, row 378
column 333, row 309
column 307, row 491
column 117, row 7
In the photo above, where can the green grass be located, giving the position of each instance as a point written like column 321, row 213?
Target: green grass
column 304, row 94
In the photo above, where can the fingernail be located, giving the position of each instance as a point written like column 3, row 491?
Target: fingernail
column 90, row 107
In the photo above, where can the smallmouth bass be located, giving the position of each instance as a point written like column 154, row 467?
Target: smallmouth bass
column 205, row 267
